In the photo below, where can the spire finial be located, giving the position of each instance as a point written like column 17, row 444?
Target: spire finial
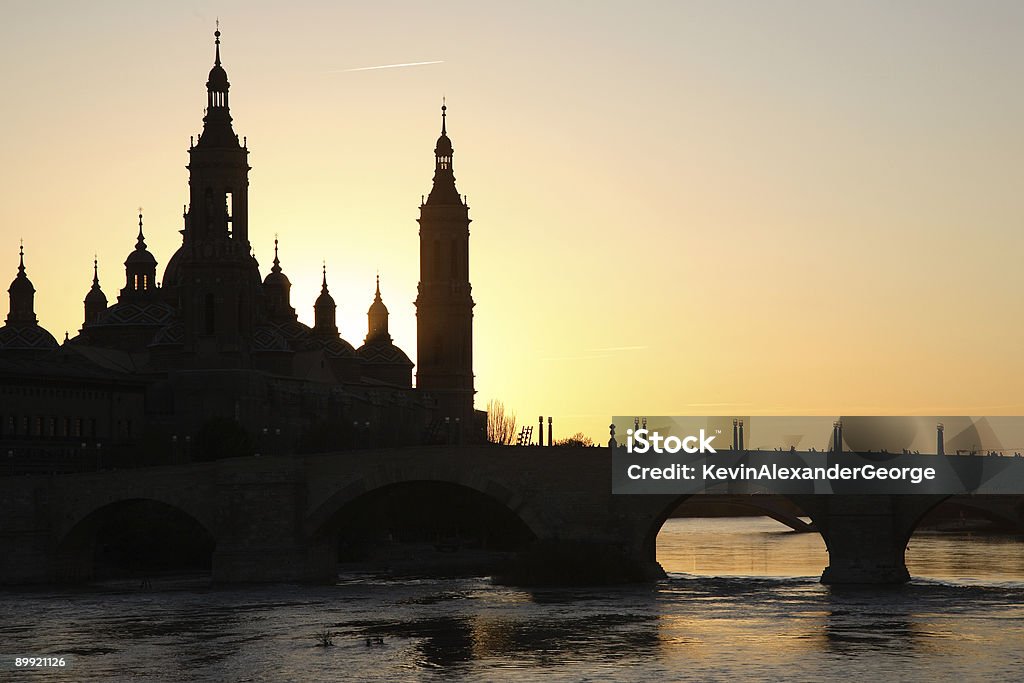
column 21, row 258
column 140, row 244
column 277, row 263
column 323, row 287
column 444, row 109
column 216, row 35
column 95, row 271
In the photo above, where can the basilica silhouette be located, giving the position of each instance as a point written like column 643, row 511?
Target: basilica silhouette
column 211, row 360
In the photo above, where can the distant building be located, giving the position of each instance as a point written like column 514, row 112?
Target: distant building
column 212, row 361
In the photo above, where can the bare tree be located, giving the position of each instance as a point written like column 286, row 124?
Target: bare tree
column 501, row 425
column 578, row 439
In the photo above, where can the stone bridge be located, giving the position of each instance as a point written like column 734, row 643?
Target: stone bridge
column 277, row 518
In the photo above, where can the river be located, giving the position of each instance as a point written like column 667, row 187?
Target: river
column 742, row 602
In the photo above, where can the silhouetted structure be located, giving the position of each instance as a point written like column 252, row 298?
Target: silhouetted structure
column 444, row 305
column 215, row 341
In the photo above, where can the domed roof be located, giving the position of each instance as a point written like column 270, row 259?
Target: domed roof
column 140, row 255
column 276, row 277
column 377, row 308
column 26, row 337
column 325, row 300
column 21, row 284
column 218, row 79
column 443, row 148
column 148, row 314
column 382, row 351
column 292, row 330
column 333, row 347
column 96, row 295
column 169, row 335
column 266, row 338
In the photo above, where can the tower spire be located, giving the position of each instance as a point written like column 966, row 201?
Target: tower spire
column 276, row 268
column 95, row 271
column 216, row 42
column 140, row 243
column 444, row 191
column 22, row 294
column 325, row 310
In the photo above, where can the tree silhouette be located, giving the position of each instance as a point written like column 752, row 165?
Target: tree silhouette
column 501, row 426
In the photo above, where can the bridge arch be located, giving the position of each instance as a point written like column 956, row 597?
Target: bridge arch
column 448, row 527
column 132, row 535
column 783, row 509
column 324, row 516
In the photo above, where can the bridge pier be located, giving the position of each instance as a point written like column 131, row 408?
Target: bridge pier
column 867, row 536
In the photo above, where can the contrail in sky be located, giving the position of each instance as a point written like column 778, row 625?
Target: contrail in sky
column 389, row 66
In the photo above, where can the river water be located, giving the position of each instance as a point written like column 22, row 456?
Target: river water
column 742, row 602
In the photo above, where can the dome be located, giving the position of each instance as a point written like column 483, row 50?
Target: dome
column 377, row 308
column 277, row 279
column 218, row 79
column 171, row 270
column 292, row 330
column 153, row 313
column 26, row 337
column 21, row 285
column 382, row 352
column 333, row 347
column 96, row 296
column 266, row 338
column 169, row 335
column 140, row 255
column 443, row 148
column 325, row 300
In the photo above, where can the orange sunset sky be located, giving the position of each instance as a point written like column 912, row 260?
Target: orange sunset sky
column 679, row 208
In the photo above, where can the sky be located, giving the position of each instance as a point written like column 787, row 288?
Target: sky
column 678, row 208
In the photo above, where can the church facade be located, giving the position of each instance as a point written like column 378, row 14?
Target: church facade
column 211, row 360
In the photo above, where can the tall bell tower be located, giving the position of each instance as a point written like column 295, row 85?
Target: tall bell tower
column 444, row 304
column 214, row 276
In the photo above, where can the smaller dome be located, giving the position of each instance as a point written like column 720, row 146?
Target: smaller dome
column 140, row 255
column 277, row 279
column 382, row 352
column 333, row 347
column 96, row 296
column 325, row 300
column 218, row 79
column 443, row 148
column 21, row 285
column 377, row 308
column 26, row 338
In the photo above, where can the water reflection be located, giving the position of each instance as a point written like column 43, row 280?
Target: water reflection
column 688, row 626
